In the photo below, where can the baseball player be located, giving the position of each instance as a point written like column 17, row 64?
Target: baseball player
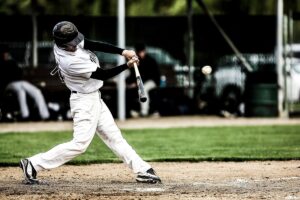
column 79, row 69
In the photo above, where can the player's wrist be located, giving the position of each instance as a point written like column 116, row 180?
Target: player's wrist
column 125, row 53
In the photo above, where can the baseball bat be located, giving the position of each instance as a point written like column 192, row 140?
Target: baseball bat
column 141, row 90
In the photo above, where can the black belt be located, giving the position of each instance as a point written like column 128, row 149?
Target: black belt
column 75, row 92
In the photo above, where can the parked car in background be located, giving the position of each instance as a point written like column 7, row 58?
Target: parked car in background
column 293, row 81
column 226, row 85
column 221, row 91
column 293, row 72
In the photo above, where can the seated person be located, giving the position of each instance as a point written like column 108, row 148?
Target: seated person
column 11, row 79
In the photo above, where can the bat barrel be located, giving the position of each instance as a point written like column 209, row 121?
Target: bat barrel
column 141, row 91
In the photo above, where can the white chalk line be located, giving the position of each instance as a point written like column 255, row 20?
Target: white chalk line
column 237, row 183
column 292, row 197
column 244, row 182
column 156, row 189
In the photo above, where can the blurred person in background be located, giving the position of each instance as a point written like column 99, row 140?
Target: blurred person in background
column 11, row 79
column 150, row 74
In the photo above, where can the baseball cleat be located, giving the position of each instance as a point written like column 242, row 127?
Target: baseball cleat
column 29, row 172
column 148, row 177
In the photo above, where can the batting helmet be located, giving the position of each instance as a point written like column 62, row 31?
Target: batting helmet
column 66, row 33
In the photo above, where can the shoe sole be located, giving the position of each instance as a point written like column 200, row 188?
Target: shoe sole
column 147, row 180
column 27, row 180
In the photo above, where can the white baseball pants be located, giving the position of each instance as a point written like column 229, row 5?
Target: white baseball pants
column 21, row 88
column 90, row 115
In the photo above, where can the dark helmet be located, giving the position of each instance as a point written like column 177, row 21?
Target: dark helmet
column 66, row 33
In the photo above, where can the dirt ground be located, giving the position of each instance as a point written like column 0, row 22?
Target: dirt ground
column 203, row 180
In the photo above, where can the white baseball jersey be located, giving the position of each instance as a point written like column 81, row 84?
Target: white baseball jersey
column 76, row 68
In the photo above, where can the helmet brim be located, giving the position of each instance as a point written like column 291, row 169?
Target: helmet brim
column 76, row 40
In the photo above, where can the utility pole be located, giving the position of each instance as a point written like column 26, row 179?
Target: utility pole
column 121, row 60
column 279, row 61
column 190, row 49
column 34, row 34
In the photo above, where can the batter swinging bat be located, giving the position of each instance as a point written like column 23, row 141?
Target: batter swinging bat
column 140, row 84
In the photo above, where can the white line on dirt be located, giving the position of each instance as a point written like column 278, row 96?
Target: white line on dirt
column 278, row 179
column 243, row 182
column 144, row 189
column 291, row 197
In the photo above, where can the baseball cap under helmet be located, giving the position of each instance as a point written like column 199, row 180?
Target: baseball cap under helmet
column 66, row 33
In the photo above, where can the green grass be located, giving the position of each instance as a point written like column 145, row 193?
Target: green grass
column 175, row 144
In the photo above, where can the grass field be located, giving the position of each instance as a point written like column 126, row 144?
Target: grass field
column 175, row 144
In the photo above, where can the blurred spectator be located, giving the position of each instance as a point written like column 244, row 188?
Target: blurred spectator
column 150, row 74
column 11, row 80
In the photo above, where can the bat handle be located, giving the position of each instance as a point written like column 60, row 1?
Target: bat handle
column 136, row 70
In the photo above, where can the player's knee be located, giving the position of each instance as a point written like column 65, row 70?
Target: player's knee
column 116, row 138
column 37, row 92
column 80, row 147
column 112, row 136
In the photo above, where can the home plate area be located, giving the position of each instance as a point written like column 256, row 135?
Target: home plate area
column 181, row 180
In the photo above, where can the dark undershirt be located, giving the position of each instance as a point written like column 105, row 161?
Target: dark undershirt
column 104, row 74
column 101, row 46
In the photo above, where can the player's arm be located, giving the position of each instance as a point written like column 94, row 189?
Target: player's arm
column 107, row 48
column 104, row 74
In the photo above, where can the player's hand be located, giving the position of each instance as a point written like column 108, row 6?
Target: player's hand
column 133, row 60
column 128, row 54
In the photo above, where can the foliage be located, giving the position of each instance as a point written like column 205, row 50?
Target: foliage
column 141, row 7
column 175, row 144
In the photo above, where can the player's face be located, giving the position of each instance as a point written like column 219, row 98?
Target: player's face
column 142, row 54
column 5, row 56
column 70, row 48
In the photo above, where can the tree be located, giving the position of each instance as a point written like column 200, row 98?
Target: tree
column 143, row 7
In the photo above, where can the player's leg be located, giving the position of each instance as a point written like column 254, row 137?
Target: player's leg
column 17, row 88
column 38, row 98
column 148, row 85
column 111, row 135
column 85, row 112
